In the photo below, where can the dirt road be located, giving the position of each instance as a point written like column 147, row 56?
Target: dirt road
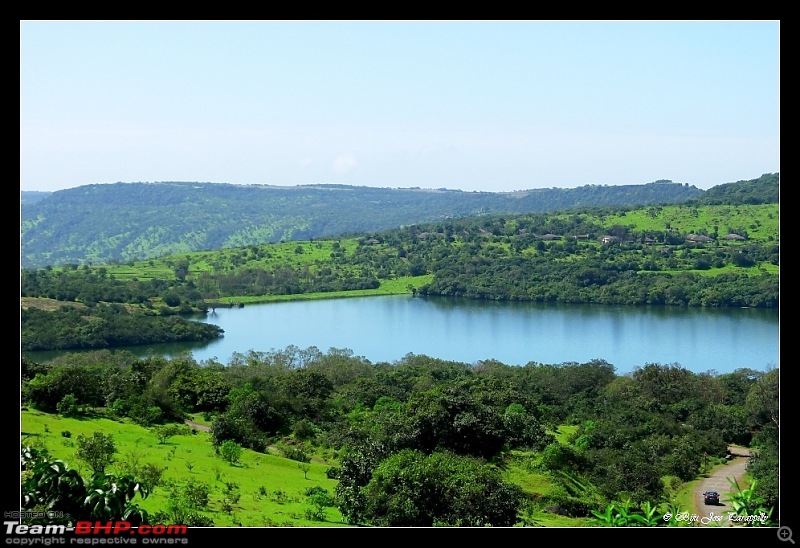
column 716, row 515
column 198, row 426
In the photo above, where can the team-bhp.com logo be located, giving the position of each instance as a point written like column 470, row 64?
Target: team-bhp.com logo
column 95, row 533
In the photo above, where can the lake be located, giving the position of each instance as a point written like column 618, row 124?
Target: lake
column 384, row 329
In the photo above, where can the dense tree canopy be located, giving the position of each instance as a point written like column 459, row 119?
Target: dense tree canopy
column 105, row 326
column 419, row 440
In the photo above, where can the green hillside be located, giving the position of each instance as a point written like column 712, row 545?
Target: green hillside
column 124, row 221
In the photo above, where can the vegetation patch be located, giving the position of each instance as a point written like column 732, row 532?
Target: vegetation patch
column 271, row 489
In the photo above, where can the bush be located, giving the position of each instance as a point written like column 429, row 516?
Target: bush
column 558, row 457
column 232, row 491
column 227, row 427
column 315, row 514
column 196, row 494
column 414, row 489
column 304, row 430
column 151, row 474
column 230, row 451
column 165, row 431
column 66, row 433
column 172, row 299
column 178, row 512
column 333, row 472
column 97, row 451
column 68, row 406
column 751, row 510
column 319, row 496
column 294, row 453
column 571, row 506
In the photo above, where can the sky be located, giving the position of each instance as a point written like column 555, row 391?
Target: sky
column 492, row 106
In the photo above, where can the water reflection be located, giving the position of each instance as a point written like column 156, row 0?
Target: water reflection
column 384, row 329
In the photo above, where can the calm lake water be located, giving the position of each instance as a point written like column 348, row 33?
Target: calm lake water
column 384, row 329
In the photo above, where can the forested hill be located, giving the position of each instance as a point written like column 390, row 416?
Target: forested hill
column 30, row 196
column 124, row 221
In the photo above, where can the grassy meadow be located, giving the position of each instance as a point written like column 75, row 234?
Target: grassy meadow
column 267, row 256
column 759, row 221
column 271, row 488
column 397, row 286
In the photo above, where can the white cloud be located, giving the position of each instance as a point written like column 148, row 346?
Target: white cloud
column 343, row 163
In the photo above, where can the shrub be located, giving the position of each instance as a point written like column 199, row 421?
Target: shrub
column 304, row 430
column 178, row 512
column 151, row 474
column 232, row 493
column 627, row 515
column 319, row 496
column 172, row 299
column 230, row 451
column 294, row 453
column 165, row 431
column 196, row 494
column 68, row 406
column 97, row 451
column 333, row 472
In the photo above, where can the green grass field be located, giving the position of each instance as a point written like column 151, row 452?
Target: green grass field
column 759, row 221
column 265, row 256
column 271, row 488
column 397, row 286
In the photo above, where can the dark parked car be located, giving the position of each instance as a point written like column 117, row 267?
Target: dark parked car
column 711, row 497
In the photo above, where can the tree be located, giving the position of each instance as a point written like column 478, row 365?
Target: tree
column 523, row 430
column 308, row 391
column 165, row 431
column 182, row 269
column 411, row 489
column 68, row 406
column 171, row 298
column 764, row 466
column 84, row 383
column 763, row 400
column 230, row 451
column 97, row 451
column 455, row 417
column 763, row 405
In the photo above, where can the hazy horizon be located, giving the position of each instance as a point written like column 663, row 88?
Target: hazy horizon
column 493, row 106
column 369, row 186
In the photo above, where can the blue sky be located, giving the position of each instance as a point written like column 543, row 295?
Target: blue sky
column 471, row 105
